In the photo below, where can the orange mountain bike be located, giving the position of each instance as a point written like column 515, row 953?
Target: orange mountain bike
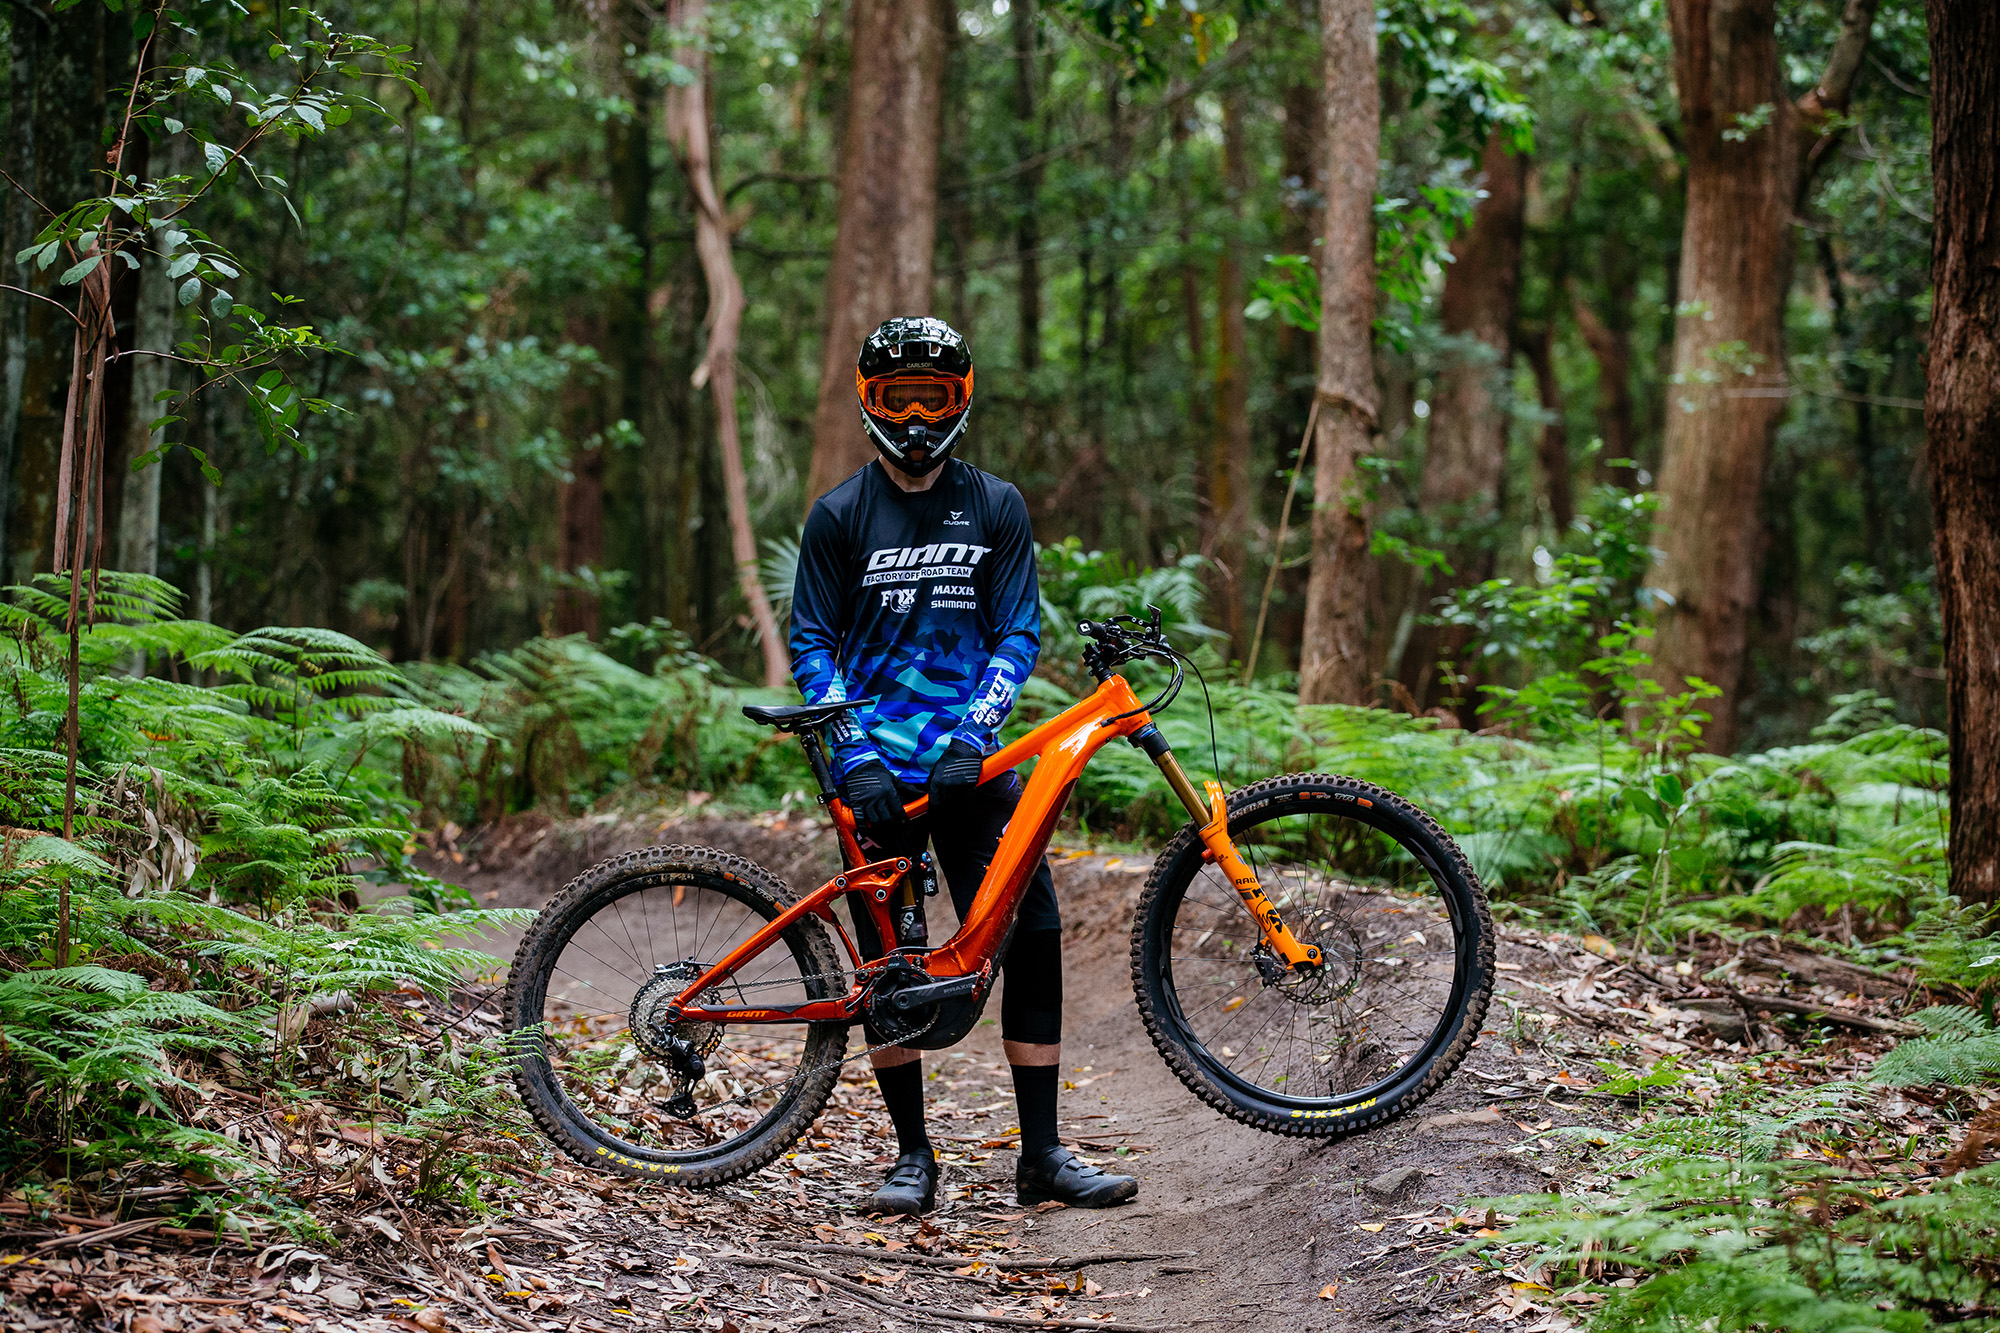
column 1312, row 956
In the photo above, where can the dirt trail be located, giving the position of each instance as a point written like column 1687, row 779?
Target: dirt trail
column 1266, row 1224
column 1242, row 1228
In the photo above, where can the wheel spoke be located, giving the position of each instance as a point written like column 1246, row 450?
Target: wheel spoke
column 1392, row 982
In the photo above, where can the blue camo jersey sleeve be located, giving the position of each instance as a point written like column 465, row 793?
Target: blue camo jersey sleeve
column 820, row 601
column 1014, row 594
column 924, row 603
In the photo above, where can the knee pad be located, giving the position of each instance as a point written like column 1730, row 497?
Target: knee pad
column 1031, row 1000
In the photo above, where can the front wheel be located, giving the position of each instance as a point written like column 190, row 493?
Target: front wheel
column 1408, row 945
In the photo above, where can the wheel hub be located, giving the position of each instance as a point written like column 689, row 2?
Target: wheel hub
column 1334, row 977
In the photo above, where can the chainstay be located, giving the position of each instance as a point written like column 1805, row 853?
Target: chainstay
column 801, row 1075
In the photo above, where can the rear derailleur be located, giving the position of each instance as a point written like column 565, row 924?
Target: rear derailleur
column 683, row 1046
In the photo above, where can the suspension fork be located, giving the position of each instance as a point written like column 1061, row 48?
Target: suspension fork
column 1211, row 819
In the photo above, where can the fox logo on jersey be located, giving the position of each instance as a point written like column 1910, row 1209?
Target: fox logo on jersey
column 899, row 600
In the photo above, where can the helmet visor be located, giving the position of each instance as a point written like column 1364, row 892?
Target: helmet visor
column 928, row 397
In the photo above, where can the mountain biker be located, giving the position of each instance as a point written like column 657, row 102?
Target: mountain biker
column 916, row 588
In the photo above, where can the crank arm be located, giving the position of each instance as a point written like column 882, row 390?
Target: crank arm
column 1222, row 851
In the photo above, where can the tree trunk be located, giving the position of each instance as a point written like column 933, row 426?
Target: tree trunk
column 1467, row 440
column 1552, row 448
column 1181, row 109
column 152, row 331
column 687, row 125
column 1027, row 197
column 1333, row 661
column 1750, row 151
column 1852, row 372
column 580, row 507
column 1609, row 337
column 1229, row 452
column 887, row 222
column 18, row 225
column 59, row 126
column 1962, row 421
column 623, row 36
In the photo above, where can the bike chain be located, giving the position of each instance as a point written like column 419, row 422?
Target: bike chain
column 801, row 1075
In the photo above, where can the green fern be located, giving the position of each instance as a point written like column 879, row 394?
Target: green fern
column 1962, row 1050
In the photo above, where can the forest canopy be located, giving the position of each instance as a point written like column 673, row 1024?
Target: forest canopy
column 498, row 259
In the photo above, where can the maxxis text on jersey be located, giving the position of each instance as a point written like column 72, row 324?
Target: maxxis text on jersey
column 1466, row 901
column 527, row 986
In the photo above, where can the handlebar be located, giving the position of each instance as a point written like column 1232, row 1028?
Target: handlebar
column 1120, row 639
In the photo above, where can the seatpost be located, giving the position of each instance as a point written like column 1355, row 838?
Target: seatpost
column 816, row 757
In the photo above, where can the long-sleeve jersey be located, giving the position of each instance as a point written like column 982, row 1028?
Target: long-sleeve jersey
column 924, row 601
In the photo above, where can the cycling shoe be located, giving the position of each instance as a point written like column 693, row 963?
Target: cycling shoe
column 1067, row 1178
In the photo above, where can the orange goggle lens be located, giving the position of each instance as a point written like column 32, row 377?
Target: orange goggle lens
column 900, row 397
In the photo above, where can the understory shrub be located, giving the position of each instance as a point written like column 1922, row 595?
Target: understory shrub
column 231, row 809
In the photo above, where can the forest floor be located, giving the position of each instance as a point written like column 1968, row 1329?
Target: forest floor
column 1231, row 1226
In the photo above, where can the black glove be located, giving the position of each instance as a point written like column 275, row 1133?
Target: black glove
column 955, row 773
column 871, row 789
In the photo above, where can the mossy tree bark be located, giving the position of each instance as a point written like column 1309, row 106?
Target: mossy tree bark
column 1962, row 421
column 1333, row 660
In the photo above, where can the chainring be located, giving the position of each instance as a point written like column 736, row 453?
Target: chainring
column 895, row 1026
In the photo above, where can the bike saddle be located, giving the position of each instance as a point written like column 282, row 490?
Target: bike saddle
column 793, row 717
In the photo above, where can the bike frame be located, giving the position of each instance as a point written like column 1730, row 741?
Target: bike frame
column 1063, row 746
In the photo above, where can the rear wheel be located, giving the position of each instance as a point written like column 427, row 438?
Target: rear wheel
column 619, row 1088
column 1395, row 909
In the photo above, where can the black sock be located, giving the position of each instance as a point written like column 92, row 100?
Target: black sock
column 1035, row 1099
column 903, row 1093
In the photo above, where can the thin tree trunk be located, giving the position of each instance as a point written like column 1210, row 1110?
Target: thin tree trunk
column 153, row 331
column 887, row 222
column 955, row 201
column 1750, row 154
column 687, row 126
column 1466, row 451
column 1190, row 275
column 1229, row 452
column 1552, row 447
column 1028, row 189
column 1609, row 338
column 1333, row 662
column 18, row 225
column 65, row 103
column 1962, row 421
column 580, row 506
column 1853, row 377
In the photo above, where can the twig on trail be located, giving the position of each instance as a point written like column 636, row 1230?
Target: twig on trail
column 506, row 1317
column 1059, row 1265
column 1593, row 1019
column 1779, row 1004
column 103, row 1236
column 863, row 1294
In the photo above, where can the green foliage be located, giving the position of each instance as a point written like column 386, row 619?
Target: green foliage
column 569, row 724
column 211, row 892
column 1739, row 1216
column 1963, row 1050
